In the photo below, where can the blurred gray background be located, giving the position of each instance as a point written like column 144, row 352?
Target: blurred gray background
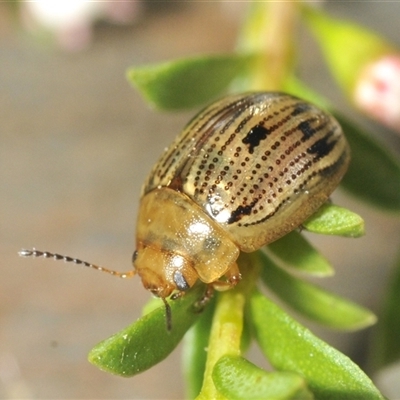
column 76, row 143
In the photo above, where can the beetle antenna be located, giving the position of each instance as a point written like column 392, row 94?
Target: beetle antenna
column 55, row 256
column 168, row 314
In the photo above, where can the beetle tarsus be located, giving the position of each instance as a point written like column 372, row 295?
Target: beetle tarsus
column 205, row 299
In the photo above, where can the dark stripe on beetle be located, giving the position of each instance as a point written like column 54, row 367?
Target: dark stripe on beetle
column 300, row 109
column 192, row 129
column 239, row 213
column 239, row 103
column 223, row 114
column 323, row 173
column 300, row 189
column 271, row 214
column 169, row 161
column 183, row 169
column 332, row 168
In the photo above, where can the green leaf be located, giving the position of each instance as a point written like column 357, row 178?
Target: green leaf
column 189, row 82
column 239, row 379
column 291, row 347
column 374, row 173
column 195, row 352
column 348, row 48
column 302, row 256
column 386, row 341
column 147, row 341
column 313, row 302
column 334, row 220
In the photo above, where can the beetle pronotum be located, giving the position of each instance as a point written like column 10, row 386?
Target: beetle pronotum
column 245, row 171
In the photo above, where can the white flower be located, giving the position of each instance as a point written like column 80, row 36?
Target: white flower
column 70, row 21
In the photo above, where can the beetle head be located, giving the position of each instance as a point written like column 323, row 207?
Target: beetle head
column 163, row 272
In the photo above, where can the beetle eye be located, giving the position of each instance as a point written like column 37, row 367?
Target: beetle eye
column 134, row 256
column 180, row 281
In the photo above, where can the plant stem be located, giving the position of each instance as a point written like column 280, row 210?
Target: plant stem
column 225, row 337
column 227, row 324
column 269, row 32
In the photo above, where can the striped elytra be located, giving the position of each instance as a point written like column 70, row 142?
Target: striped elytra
column 244, row 172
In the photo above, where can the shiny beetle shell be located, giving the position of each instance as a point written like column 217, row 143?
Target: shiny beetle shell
column 245, row 171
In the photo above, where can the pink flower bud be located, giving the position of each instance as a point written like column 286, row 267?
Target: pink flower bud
column 364, row 63
column 377, row 91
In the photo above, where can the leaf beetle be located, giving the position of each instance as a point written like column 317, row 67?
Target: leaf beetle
column 245, row 171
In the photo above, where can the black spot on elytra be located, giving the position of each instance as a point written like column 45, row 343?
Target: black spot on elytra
column 322, row 147
column 300, row 109
column 306, row 129
column 255, row 136
column 239, row 213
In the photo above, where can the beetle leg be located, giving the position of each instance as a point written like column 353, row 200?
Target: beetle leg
column 233, row 275
column 177, row 295
column 232, row 278
column 204, row 300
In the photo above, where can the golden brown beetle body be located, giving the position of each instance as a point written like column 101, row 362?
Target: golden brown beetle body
column 245, row 171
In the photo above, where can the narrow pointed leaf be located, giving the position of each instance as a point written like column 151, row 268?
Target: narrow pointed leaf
column 147, row 341
column 238, row 379
column 386, row 341
column 296, row 252
column 347, row 47
column 289, row 346
column 374, row 173
column 186, row 83
column 334, row 220
column 315, row 303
